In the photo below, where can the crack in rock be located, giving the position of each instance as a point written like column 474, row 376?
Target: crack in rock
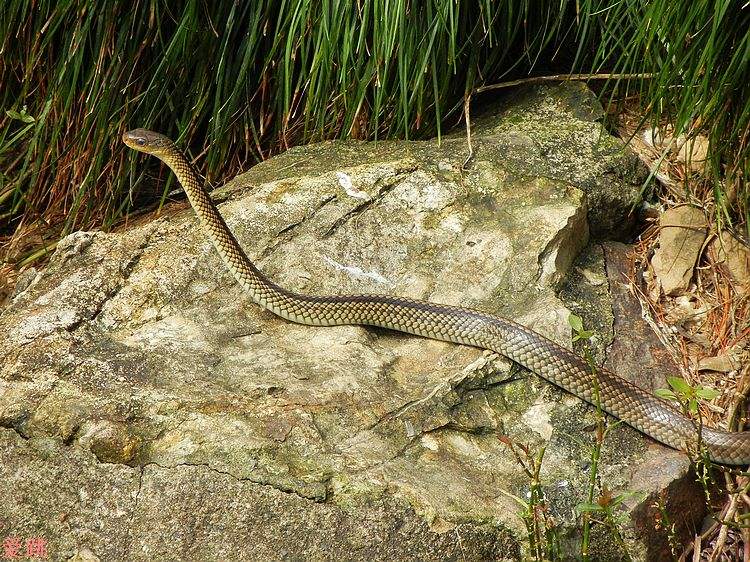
column 447, row 385
column 126, row 546
column 287, row 233
column 385, row 188
column 318, row 498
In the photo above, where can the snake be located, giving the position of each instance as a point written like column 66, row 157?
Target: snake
column 646, row 412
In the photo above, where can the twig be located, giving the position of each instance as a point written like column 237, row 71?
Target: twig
column 562, row 78
column 467, row 117
column 697, row 549
column 722, row 538
column 703, row 536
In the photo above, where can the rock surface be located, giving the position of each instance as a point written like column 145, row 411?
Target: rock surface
column 551, row 132
column 151, row 411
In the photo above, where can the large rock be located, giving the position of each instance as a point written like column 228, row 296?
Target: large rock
column 154, row 412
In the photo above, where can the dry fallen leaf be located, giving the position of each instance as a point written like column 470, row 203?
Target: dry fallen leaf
column 692, row 152
column 736, row 256
column 683, row 231
column 723, row 363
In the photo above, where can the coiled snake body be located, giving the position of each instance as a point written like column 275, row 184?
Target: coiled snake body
column 633, row 405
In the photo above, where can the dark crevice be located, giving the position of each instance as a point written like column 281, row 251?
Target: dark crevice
column 413, row 440
column 133, row 513
column 125, row 272
column 16, row 425
column 607, row 347
column 290, row 227
column 275, row 486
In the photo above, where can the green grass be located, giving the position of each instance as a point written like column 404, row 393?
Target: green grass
column 242, row 80
column 239, row 80
column 699, row 53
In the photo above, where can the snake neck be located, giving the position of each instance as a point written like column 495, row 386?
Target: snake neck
column 229, row 249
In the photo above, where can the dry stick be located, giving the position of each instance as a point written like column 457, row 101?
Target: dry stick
column 562, row 78
column 730, row 509
column 700, row 538
column 739, row 398
column 743, row 388
column 467, row 116
column 537, row 80
column 721, row 540
column 729, row 512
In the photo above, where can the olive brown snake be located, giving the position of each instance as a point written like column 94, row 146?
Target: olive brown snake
column 620, row 398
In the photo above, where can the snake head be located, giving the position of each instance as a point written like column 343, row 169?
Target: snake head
column 147, row 141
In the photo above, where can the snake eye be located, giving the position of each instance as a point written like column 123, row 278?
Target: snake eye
column 140, row 141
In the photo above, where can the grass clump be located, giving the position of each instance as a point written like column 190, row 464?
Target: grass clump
column 244, row 80
column 239, row 80
column 699, row 57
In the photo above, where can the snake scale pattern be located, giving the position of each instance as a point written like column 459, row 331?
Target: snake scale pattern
column 638, row 408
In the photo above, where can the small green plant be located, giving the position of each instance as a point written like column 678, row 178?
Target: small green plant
column 541, row 527
column 688, row 396
column 606, row 504
column 8, row 141
column 607, row 508
column 24, row 117
column 664, row 522
column 578, row 332
column 685, row 394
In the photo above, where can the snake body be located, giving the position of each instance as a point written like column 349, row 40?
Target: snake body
column 620, row 398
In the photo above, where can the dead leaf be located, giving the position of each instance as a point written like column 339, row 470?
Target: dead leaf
column 687, row 310
column 736, row 256
column 723, row 363
column 692, row 152
column 683, row 231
